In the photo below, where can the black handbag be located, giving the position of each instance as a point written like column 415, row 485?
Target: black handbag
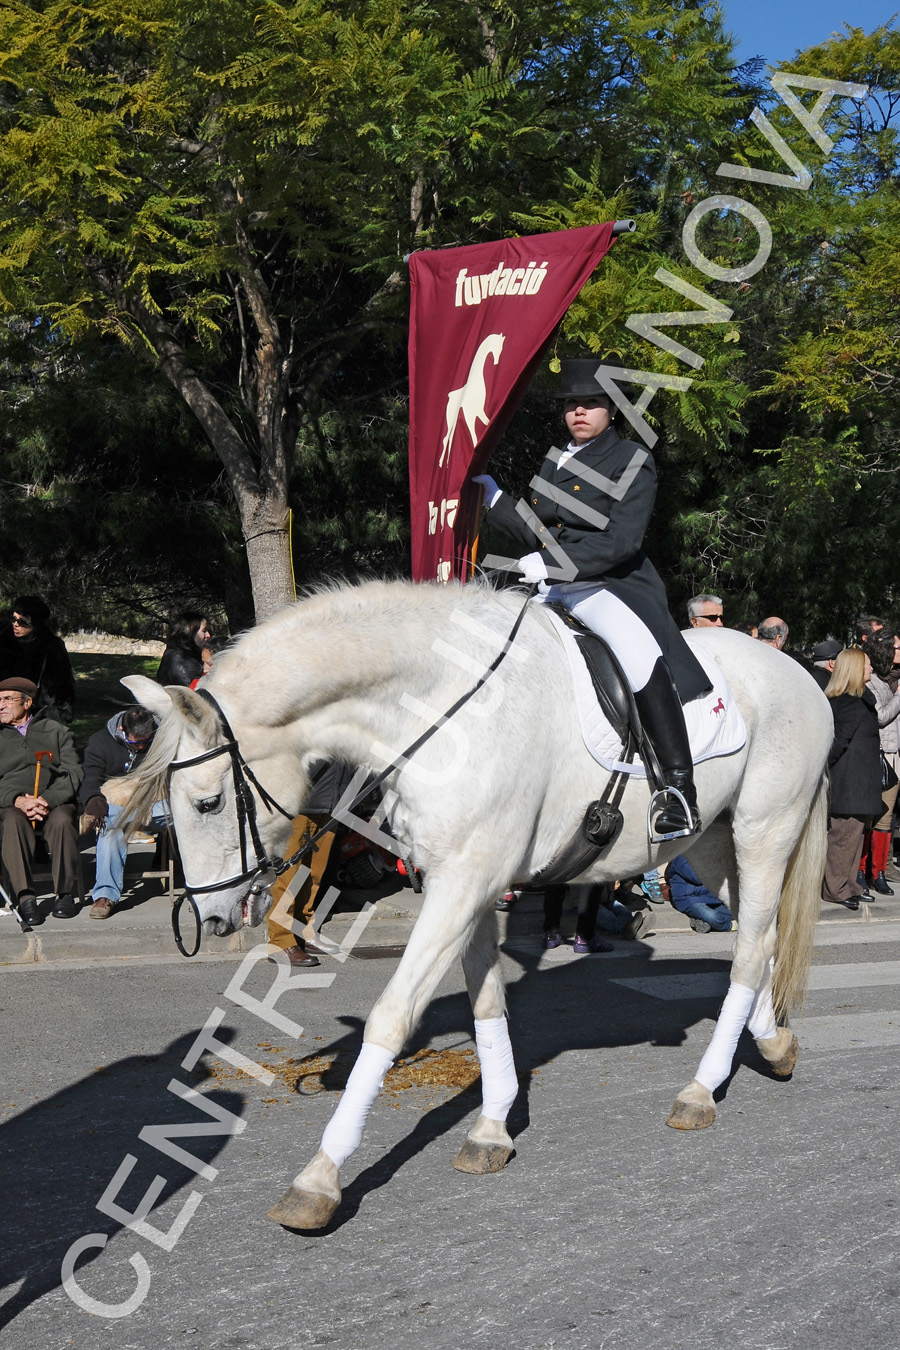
column 888, row 778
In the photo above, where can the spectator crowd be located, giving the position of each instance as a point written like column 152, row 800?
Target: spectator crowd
column 49, row 794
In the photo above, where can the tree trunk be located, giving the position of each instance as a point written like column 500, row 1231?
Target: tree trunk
column 265, row 525
column 262, row 498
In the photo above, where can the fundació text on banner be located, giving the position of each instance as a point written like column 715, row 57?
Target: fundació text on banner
column 502, row 281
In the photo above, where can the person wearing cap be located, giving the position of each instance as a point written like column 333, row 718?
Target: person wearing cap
column 30, row 649
column 37, row 791
column 824, row 655
column 616, row 591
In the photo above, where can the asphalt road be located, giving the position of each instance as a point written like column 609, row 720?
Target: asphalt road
column 776, row 1228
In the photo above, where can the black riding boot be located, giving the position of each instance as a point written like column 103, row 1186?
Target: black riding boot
column 662, row 718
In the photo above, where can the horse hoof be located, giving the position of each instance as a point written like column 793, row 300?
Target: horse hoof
column 303, row 1209
column 690, row 1115
column 784, row 1066
column 479, row 1159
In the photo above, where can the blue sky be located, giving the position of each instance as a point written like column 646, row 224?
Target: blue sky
column 776, row 29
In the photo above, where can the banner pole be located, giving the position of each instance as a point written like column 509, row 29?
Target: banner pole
column 474, row 554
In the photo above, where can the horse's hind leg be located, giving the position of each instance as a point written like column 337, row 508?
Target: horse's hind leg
column 488, row 1146
column 694, row 1107
column 778, row 1045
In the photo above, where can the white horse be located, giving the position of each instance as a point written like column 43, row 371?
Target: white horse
column 357, row 674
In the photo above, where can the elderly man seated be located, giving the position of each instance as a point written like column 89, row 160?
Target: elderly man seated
column 39, row 778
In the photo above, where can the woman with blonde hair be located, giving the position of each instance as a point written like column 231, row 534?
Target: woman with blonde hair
column 855, row 764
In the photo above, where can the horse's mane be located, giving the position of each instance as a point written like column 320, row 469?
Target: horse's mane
column 368, row 607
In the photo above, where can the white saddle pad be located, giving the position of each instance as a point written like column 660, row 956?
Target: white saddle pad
column 714, row 722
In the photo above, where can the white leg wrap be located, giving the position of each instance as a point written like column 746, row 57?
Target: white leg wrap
column 344, row 1131
column 761, row 1022
column 715, row 1066
column 499, row 1084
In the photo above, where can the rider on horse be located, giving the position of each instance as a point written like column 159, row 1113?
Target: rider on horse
column 596, row 508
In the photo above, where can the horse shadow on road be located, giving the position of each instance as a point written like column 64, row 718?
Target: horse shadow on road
column 571, row 1006
column 60, row 1155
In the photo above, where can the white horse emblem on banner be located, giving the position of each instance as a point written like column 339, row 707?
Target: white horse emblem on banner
column 470, row 399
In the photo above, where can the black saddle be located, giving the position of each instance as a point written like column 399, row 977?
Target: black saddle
column 611, row 687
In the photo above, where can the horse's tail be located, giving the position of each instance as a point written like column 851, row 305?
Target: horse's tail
column 799, row 907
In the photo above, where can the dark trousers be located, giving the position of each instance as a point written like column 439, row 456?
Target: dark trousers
column 18, row 848
column 586, row 924
column 845, row 836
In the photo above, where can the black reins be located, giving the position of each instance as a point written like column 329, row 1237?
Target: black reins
column 245, row 804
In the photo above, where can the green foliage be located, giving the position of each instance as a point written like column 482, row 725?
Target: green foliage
column 225, row 190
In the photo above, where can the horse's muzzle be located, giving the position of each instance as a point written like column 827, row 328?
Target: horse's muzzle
column 247, row 911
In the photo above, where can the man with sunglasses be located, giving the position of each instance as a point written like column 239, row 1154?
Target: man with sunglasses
column 112, row 753
column 30, row 650
column 705, row 611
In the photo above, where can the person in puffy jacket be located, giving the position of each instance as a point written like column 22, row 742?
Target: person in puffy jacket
column 112, row 753
column 855, row 764
column 705, row 911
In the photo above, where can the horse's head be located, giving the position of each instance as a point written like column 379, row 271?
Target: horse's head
column 221, row 863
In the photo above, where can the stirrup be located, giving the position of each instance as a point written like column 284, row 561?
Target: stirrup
column 658, row 803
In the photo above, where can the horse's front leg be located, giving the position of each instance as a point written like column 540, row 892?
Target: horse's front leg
column 488, row 1145
column 442, row 930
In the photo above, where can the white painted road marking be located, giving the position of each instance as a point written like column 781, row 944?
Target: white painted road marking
column 714, row 984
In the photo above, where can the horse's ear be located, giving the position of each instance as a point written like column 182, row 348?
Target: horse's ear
column 194, row 709
column 149, row 694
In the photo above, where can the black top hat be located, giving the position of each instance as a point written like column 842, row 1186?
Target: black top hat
column 577, row 379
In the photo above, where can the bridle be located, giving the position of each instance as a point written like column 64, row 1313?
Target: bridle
column 245, row 804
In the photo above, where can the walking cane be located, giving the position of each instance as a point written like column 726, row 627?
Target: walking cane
column 39, row 755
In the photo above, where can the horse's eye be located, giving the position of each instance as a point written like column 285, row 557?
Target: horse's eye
column 208, row 806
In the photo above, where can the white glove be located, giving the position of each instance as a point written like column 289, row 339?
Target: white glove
column 491, row 490
column 533, row 567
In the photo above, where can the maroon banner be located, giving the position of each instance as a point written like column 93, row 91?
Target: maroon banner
column 480, row 320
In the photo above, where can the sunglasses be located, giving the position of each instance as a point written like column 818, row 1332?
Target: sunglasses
column 22, row 621
column 711, row 618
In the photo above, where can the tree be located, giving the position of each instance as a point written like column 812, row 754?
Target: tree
column 227, row 188
column 114, row 507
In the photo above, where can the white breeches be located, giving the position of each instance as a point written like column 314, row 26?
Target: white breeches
column 635, row 647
